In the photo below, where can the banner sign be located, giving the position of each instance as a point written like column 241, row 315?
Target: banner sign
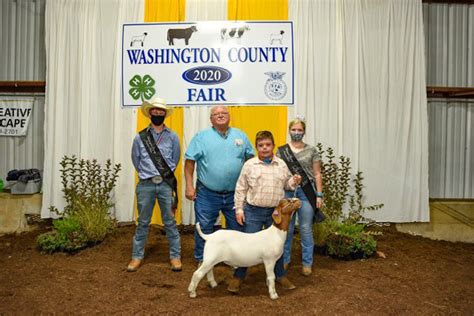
column 14, row 116
column 208, row 63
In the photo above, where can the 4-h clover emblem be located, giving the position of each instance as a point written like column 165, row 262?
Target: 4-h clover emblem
column 142, row 88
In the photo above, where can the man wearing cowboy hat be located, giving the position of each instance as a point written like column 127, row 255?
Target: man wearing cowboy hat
column 155, row 155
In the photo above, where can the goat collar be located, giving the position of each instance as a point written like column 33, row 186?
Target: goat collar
column 285, row 219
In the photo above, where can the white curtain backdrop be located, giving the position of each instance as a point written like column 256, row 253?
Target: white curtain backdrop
column 197, row 118
column 360, row 83
column 82, row 111
column 361, row 86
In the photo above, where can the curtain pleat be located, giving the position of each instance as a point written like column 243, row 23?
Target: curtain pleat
column 359, row 82
column 166, row 11
column 252, row 119
column 83, row 116
column 197, row 118
column 360, row 85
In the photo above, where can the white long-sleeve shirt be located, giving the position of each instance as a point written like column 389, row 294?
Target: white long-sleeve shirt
column 261, row 184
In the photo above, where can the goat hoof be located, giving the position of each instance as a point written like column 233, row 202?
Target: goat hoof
column 213, row 284
column 274, row 297
column 192, row 295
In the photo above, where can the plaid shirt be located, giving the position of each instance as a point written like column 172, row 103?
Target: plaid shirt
column 262, row 184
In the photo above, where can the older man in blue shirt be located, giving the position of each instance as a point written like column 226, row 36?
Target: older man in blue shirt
column 152, row 187
column 219, row 152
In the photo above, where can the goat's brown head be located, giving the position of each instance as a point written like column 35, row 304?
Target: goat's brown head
column 283, row 212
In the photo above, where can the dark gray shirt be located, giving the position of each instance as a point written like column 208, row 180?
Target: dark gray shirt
column 306, row 157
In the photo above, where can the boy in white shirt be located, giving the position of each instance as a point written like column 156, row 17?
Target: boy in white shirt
column 260, row 187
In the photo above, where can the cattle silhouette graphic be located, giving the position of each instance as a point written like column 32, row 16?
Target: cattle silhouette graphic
column 180, row 34
column 138, row 39
column 233, row 32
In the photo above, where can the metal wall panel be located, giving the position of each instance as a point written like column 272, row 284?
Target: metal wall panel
column 22, row 52
column 449, row 44
column 23, row 58
column 25, row 152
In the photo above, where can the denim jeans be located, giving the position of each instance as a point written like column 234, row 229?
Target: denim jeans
column 305, row 222
column 207, row 205
column 147, row 193
column 256, row 218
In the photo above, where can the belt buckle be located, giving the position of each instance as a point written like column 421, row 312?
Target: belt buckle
column 157, row 179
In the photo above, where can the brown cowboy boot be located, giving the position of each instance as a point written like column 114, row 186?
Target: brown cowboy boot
column 133, row 265
column 306, row 270
column 176, row 265
column 234, row 285
column 285, row 283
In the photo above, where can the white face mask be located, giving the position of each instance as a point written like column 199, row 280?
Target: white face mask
column 296, row 137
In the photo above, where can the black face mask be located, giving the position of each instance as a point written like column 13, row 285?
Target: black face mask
column 157, row 120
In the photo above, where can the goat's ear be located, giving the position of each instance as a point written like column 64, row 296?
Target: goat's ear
column 277, row 216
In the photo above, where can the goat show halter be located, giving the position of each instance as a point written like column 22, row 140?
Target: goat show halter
column 294, row 192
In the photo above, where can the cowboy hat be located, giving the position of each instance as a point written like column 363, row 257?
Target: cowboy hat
column 155, row 104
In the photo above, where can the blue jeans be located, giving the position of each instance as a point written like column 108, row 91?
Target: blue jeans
column 207, row 205
column 256, row 218
column 147, row 193
column 305, row 221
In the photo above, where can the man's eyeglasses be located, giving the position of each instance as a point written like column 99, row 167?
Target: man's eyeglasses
column 220, row 114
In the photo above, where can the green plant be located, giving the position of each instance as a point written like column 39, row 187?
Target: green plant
column 349, row 229
column 87, row 188
column 323, row 230
column 67, row 236
column 95, row 223
column 349, row 241
column 343, row 197
column 343, row 206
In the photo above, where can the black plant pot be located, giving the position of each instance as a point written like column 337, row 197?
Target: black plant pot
column 320, row 250
column 352, row 256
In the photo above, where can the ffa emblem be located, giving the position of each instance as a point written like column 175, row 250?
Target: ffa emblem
column 275, row 87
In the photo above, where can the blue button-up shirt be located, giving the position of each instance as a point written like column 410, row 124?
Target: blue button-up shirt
column 219, row 158
column 168, row 144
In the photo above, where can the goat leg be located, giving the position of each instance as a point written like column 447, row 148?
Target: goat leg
column 269, row 267
column 197, row 277
column 205, row 268
column 210, row 278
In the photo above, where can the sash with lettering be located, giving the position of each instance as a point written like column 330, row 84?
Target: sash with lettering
column 160, row 163
column 293, row 164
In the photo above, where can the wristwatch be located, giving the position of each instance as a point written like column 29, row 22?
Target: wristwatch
column 319, row 194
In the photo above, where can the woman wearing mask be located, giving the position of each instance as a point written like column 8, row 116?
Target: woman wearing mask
column 303, row 159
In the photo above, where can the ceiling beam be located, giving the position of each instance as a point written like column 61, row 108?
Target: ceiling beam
column 40, row 87
column 450, row 92
column 22, row 86
column 448, row 1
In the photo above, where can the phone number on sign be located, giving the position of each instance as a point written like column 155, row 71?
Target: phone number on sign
column 9, row 131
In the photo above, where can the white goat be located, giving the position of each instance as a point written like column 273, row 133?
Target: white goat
column 240, row 249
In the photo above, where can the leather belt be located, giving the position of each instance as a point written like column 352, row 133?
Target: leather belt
column 218, row 192
column 155, row 179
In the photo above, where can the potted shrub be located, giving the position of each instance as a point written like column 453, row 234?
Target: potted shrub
column 343, row 233
column 86, row 219
column 350, row 241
